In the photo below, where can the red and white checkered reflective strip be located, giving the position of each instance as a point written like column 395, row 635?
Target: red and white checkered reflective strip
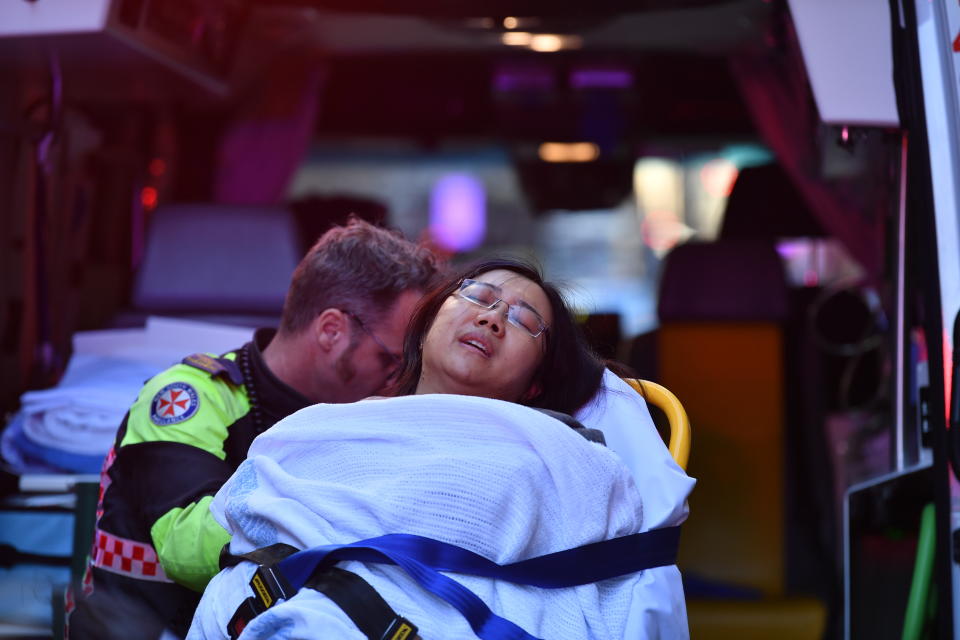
column 87, row 581
column 126, row 557
column 104, row 480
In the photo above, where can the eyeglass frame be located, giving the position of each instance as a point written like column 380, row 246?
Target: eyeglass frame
column 394, row 358
column 544, row 327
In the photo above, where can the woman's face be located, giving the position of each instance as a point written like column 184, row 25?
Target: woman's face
column 472, row 350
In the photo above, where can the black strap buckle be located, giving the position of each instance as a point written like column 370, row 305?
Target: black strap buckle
column 401, row 629
column 355, row 597
column 269, row 586
column 247, row 611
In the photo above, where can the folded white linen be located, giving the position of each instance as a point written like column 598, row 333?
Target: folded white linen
column 499, row 479
column 622, row 415
column 72, row 424
column 82, row 414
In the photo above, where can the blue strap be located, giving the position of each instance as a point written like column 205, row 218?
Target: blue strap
column 569, row 568
column 422, row 558
column 486, row 624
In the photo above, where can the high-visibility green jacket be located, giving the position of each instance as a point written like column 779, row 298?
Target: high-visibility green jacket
column 157, row 545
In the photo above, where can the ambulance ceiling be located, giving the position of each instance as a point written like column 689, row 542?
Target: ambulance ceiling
column 475, row 8
column 611, row 26
column 424, row 68
column 430, row 68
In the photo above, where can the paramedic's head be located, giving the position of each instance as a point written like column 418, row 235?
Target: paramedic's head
column 346, row 311
column 498, row 330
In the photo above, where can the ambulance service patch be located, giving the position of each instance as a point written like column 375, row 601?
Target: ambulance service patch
column 174, row 403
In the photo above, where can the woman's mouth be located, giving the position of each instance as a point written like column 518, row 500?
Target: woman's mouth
column 478, row 344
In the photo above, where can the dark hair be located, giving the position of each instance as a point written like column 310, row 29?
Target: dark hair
column 569, row 374
column 357, row 267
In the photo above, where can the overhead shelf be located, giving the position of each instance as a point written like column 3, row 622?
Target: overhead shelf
column 148, row 49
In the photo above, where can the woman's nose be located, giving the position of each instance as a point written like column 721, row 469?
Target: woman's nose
column 494, row 318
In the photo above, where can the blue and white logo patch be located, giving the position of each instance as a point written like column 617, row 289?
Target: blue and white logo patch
column 176, row 402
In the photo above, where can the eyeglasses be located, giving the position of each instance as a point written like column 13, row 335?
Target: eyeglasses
column 519, row 314
column 391, row 360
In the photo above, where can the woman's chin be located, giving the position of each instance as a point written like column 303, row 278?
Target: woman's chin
column 463, row 381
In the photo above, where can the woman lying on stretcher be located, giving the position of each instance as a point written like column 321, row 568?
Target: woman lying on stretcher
column 455, row 457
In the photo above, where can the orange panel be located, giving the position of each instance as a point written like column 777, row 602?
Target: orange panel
column 730, row 379
column 782, row 619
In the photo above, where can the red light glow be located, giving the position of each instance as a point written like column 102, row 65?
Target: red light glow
column 947, row 372
column 148, row 198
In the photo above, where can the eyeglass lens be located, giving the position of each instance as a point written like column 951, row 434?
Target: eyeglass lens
column 518, row 314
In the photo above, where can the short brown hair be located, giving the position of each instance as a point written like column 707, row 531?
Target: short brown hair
column 359, row 268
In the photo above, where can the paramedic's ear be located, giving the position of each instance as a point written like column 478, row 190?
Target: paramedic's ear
column 330, row 329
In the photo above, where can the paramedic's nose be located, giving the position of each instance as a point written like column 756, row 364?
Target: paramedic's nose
column 494, row 318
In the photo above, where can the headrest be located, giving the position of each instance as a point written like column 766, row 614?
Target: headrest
column 723, row 280
column 217, row 258
column 764, row 203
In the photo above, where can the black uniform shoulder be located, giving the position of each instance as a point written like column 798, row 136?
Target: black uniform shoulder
column 223, row 367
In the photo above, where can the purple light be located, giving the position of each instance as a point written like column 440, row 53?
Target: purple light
column 793, row 248
column 458, row 214
column 508, row 79
column 601, row 79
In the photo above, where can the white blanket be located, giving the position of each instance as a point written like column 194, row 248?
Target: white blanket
column 499, row 479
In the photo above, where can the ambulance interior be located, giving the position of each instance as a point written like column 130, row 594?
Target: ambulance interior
column 726, row 229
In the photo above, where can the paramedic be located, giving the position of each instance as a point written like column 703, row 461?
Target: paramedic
column 156, row 544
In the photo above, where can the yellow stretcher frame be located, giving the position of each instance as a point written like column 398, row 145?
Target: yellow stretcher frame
column 661, row 397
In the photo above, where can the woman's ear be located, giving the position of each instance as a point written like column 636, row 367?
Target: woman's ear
column 531, row 393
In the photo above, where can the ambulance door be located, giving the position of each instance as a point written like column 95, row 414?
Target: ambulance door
column 927, row 62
